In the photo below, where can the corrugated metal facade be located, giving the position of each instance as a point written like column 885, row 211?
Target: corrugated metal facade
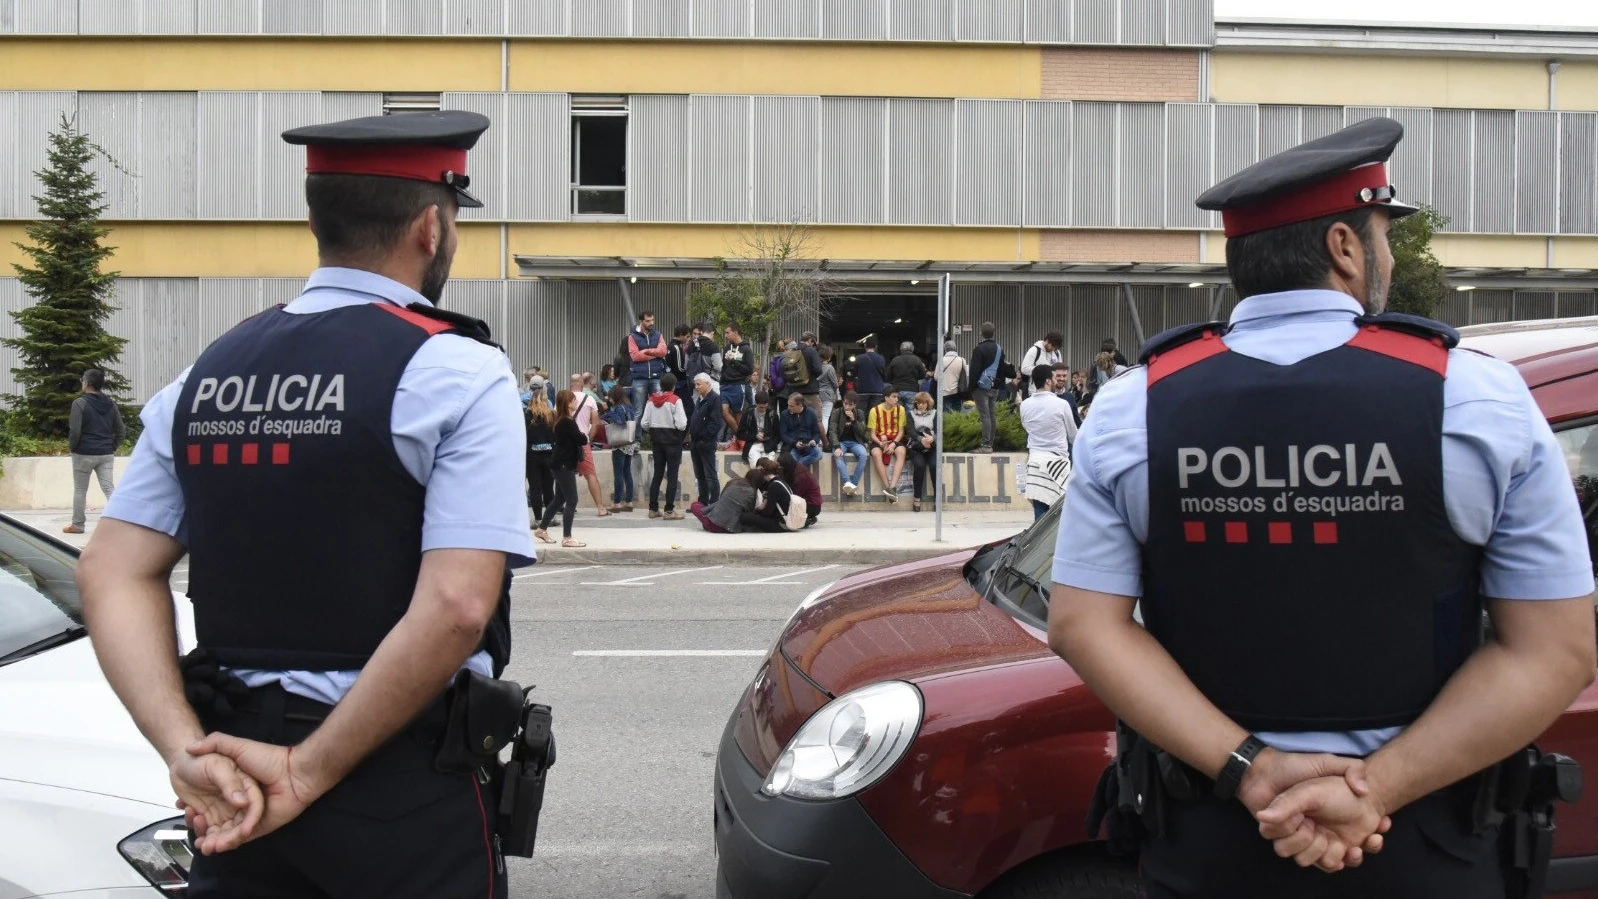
column 576, row 326
column 737, row 158
column 1131, row 22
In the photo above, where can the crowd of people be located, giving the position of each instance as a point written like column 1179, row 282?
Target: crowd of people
column 689, row 395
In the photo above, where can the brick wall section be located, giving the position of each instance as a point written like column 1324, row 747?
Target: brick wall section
column 1120, row 246
column 1076, row 73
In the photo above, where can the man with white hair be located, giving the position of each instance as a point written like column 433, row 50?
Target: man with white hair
column 905, row 374
column 704, row 426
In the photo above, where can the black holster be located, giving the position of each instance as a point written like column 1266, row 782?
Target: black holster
column 485, row 716
column 1130, row 803
column 1518, row 795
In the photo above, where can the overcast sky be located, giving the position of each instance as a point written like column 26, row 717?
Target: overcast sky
column 1546, row 13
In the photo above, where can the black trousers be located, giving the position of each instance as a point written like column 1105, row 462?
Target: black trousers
column 540, row 483
column 706, row 476
column 920, row 465
column 1213, row 849
column 396, row 827
column 667, row 462
column 565, row 504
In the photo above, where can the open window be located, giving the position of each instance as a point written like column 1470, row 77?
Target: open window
column 599, row 155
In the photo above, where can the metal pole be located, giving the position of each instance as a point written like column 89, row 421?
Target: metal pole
column 945, row 288
column 1137, row 320
column 627, row 302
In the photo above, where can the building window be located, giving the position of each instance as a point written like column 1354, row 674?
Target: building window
column 599, row 155
column 396, row 103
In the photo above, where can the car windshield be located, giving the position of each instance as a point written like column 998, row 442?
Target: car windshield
column 1027, row 565
column 38, row 594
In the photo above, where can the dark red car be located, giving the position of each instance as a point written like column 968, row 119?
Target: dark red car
column 911, row 734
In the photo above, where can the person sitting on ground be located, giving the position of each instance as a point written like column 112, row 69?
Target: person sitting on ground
column 846, row 440
column 887, row 425
column 1050, row 430
column 905, row 373
column 760, row 429
column 922, row 445
column 667, row 425
column 772, row 502
column 738, row 496
column 801, row 435
column 802, row 481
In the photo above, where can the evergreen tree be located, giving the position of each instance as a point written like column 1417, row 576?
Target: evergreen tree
column 63, row 332
column 1419, row 284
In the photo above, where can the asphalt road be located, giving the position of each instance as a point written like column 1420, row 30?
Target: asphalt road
column 628, row 808
column 627, row 812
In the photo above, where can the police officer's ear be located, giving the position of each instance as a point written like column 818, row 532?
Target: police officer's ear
column 1347, row 250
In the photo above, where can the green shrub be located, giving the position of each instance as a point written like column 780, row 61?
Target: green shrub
column 962, row 431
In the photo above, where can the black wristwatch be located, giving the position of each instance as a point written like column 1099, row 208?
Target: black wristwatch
column 1237, row 765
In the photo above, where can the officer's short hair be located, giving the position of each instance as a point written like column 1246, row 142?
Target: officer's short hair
column 360, row 215
column 94, row 379
column 988, row 330
column 1292, row 257
column 1042, row 375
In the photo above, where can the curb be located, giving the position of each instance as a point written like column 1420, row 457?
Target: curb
column 559, row 555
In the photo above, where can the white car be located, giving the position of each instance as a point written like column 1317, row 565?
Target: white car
column 85, row 804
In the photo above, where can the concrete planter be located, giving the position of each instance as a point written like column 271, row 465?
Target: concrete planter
column 45, row 482
column 972, row 482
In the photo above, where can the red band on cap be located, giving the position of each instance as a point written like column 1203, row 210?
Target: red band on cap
column 1340, row 193
column 418, row 162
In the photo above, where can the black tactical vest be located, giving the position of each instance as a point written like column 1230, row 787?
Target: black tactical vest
column 1300, row 565
column 304, row 528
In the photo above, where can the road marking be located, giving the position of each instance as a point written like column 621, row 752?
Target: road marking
column 637, row 581
column 665, row 653
column 533, row 574
column 775, row 580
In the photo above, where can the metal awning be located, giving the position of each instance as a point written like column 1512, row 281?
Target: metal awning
column 846, row 272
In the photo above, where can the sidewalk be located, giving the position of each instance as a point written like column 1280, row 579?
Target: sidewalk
column 630, row 538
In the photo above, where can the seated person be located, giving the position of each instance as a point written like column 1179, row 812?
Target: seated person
column 772, row 501
column 760, row 429
column 887, row 427
column 738, row 497
column 799, row 478
column 801, row 431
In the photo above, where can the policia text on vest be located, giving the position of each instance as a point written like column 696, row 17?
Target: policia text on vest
column 1322, row 465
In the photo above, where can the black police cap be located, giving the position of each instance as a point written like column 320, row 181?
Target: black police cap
column 422, row 146
column 1337, row 173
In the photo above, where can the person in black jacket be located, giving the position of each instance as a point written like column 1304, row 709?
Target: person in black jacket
column 737, row 367
column 95, row 430
column 539, row 417
column 569, row 443
column 905, row 374
column 760, row 429
column 704, row 426
column 987, row 377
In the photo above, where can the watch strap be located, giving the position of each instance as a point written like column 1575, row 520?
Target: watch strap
column 1237, row 765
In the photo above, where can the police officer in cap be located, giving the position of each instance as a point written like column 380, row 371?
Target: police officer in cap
column 344, row 473
column 1313, row 503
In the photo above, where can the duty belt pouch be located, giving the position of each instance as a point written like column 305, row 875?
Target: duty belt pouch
column 482, row 720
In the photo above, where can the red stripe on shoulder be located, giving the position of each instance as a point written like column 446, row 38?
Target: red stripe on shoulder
column 430, row 325
column 1163, row 365
column 1427, row 352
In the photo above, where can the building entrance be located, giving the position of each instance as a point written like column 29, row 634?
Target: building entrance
column 891, row 319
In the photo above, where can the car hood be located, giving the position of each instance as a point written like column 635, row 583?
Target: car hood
column 906, row 622
column 62, row 726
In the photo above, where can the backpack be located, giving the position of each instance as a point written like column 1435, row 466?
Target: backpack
column 992, row 371
column 965, row 377
column 694, row 360
column 798, row 512
column 795, row 370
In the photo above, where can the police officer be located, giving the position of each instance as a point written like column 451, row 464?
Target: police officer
column 344, row 473
column 1313, row 502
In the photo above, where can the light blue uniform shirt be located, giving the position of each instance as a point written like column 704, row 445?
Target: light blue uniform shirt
column 1508, row 487
column 457, row 428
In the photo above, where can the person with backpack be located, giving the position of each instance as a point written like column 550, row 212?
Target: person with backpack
column 987, row 363
column 954, row 377
column 667, row 425
column 777, row 508
column 871, row 372
column 621, row 435
column 1043, row 352
column 801, row 370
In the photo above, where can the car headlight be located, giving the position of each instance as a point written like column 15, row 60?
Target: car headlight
column 849, row 744
column 161, row 852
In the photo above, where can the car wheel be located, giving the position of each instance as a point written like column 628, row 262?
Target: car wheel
column 1069, row 877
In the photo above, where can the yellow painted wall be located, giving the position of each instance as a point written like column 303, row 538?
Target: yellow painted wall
column 1576, row 252
column 873, row 70
column 1311, row 79
column 240, row 249
column 707, row 241
column 1578, row 85
column 155, row 64
column 1508, row 252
